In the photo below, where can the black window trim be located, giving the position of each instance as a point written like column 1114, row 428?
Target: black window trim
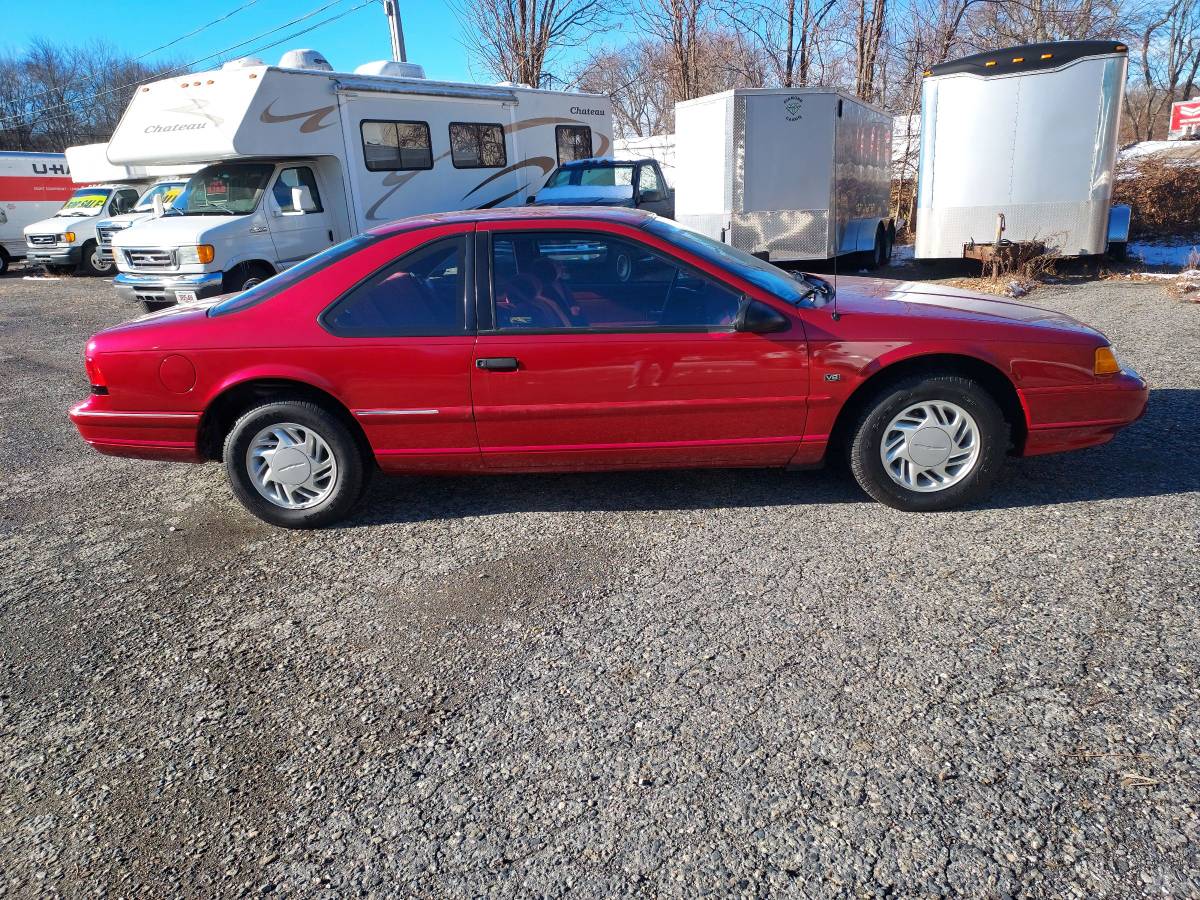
column 503, row 145
column 380, row 168
column 591, row 140
column 465, row 294
column 487, row 287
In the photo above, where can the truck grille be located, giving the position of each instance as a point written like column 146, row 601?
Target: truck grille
column 150, row 258
column 104, row 236
column 42, row 240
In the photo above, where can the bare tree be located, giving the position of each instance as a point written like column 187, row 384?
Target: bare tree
column 516, row 39
column 868, row 38
column 1168, row 61
column 786, row 32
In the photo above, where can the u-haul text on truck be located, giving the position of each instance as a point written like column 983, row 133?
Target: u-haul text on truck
column 301, row 157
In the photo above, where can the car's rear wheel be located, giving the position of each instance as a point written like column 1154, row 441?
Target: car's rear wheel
column 929, row 442
column 292, row 463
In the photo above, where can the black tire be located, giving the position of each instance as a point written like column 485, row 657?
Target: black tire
column 350, row 472
column 876, row 256
column 4, row 261
column 89, row 264
column 1118, row 250
column 868, row 434
column 243, row 276
column 155, row 305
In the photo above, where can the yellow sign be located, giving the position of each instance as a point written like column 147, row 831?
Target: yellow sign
column 85, row 201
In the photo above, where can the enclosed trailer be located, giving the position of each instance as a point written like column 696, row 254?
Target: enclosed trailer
column 301, row 157
column 788, row 174
column 1028, row 134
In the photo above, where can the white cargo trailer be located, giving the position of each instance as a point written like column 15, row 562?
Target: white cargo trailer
column 300, row 157
column 786, row 173
column 1028, row 133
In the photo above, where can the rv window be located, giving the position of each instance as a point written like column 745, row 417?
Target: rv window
column 573, row 142
column 421, row 294
column 396, row 146
column 301, row 177
column 477, row 145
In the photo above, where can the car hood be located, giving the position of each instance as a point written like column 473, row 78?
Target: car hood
column 178, row 231
column 125, row 219
column 940, row 301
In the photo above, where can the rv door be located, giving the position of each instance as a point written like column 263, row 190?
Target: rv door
column 300, row 224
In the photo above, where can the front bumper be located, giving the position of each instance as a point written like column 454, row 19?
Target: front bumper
column 168, row 288
column 52, row 256
column 1073, row 418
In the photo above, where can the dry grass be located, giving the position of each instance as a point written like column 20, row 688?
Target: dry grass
column 1164, row 196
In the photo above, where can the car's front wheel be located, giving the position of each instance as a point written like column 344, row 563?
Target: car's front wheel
column 292, row 463
column 929, row 442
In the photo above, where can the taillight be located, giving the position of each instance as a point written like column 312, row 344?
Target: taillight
column 94, row 375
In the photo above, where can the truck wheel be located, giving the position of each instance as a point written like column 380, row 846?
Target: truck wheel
column 4, row 261
column 244, row 276
column 90, row 262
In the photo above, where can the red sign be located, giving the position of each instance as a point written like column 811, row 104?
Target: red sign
column 1185, row 113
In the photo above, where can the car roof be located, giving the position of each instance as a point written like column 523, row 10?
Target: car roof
column 634, row 218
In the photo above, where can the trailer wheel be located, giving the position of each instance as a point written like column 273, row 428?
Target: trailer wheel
column 877, row 255
column 1118, row 250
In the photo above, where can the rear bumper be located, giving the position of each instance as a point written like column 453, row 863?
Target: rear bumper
column 168, row 288
column 53, row 256
column 1062, row 419
column 142, row 435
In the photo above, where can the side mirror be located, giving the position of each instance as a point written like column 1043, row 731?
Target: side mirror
column 650, row 196
column 532, row 198
column 159, row 206
column 758, row 318
column 302, row 200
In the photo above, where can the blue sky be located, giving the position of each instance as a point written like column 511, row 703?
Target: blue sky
column 431, row 31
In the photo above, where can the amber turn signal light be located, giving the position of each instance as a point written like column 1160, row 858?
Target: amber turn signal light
column 1106, row 362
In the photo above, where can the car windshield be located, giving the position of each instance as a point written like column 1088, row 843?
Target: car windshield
column 592, row 176
column 85, row 202
column 264, row 290
column 757, row 271
column 168, row 190
column 224, row 190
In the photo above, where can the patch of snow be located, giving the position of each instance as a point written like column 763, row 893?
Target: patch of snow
column 1162, row 254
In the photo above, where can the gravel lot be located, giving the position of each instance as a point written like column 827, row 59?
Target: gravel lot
column 673, row 683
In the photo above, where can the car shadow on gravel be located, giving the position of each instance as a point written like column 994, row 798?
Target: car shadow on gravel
column 1152, row 457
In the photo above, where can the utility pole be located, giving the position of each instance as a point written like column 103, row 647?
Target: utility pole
column 392, row 8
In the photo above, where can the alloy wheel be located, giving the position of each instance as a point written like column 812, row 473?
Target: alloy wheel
column 930, row 446
column 291, row 465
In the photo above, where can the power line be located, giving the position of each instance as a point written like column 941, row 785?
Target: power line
column 158, row 49
column 176, row 70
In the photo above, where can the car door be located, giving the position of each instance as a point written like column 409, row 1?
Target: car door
column 602, row 349
column 300, row 224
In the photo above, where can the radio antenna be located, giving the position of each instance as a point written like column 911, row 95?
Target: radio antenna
column 836, row 248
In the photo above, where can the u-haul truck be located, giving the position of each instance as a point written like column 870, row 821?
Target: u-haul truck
column 300, row 157
column 32, row 187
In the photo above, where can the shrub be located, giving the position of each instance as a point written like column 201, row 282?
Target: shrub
column 1164, row 196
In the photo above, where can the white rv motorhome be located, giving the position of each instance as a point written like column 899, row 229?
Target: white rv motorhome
column 1028, row 133
column 67, row 239
column 786, row 173
column 32, row 187
column 300, row 157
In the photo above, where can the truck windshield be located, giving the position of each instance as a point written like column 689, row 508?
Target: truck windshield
column 757, row 271
column 225, row 189
column 168, row 190
column 592, row 176
column 85, row 202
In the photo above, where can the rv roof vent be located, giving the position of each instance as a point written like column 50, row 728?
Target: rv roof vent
column 520, row 84
column 305, row 59
column 391, row 69
column 246, row 62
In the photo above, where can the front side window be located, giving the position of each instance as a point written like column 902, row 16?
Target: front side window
column 225, row 189
column 297, row 184
column 167, row 190
column 396, row 146
column 575, row 280
column 648, row 180
column 422, row 293
column 123, row 202
column 573, row 142
column 477, row 145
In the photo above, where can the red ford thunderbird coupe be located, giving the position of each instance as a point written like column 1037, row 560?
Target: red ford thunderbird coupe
column 553, row 340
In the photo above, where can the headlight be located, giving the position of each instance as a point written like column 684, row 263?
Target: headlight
column 200, row 253
column 1106, row 361
column 67, row 237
